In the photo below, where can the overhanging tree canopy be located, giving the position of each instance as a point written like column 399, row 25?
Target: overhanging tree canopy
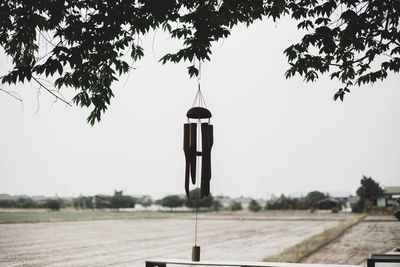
column 355, row 41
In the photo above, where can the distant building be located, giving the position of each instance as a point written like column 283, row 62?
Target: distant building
column 226, row 202
column 349, row 202
column 103, row 201
column 5, row 197
column 244, row 201
column 390, row 197
column 327, row 204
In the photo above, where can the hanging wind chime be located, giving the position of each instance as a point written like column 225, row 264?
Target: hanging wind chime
column 198, row 140
column 193, row 132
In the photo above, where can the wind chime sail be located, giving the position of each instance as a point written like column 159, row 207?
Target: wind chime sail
column 198, row 133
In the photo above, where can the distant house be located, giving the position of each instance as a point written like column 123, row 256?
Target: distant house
column 226, row 202
column 244, row 201
column 5, row 197
column 391, row 194
column 349, row 202
column 104, row 201
column 327, row 204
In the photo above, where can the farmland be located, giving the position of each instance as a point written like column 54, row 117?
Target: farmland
column 132, row 239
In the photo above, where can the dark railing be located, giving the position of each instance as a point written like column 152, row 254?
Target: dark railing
column 388, row 258
column 391, row 257
column 164, row 262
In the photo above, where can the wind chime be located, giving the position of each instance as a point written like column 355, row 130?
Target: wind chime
column 198, row 134
column 198, row 140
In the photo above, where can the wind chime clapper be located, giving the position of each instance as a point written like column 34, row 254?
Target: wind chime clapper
column 191, row 132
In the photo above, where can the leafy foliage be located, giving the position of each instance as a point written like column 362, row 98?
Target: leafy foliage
column 172, row 201
column 345, row 38
column 254, row 206
column 88, row 44
column 145, row 201
column 313, row 197
column 235, row 206
column 24, row 203
column 216, row 205
column 28, row 203
column 194, row 200
column 369, row 189
column 368, row 192
column 118, row 200
column 282, row 203
column 54, row 204
column 359, row 206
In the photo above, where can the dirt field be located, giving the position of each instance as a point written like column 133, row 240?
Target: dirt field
column 375, row 234
column 130, row 242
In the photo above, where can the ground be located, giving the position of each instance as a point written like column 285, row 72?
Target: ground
column 230, row 236
column 375, row 234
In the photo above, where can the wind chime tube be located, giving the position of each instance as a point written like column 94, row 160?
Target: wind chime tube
column 186, row 150
column 193, row 150
column 211, row 143
column 207, row 142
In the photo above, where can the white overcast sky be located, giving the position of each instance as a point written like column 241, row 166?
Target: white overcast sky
column 271, row 135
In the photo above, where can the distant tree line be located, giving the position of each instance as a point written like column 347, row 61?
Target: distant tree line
column 118, row 200
column 28, row 203
column 368, row 192
column 192, row 202
column 310, row 201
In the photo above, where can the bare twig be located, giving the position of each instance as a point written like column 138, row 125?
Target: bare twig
column 129, row 73
column 51, row 92
column 38, row 101
column 52, row 104
column 14, row 95
column 56, row 91
column 44, row 37
column 152, row 45
column 11, row 93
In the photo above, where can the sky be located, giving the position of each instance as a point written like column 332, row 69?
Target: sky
column 271, row 135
